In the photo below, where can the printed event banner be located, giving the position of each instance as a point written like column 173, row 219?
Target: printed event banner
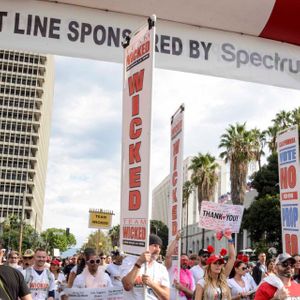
column 45, row 27
column 176, row 173
column 220, row 217
column 288, row 165
column 94, row 294
column 136, row 138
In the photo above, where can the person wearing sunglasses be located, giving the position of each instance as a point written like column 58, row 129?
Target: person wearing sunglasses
column 92, row 276
column 239, row 284
column 198, row 270
column 280, row 286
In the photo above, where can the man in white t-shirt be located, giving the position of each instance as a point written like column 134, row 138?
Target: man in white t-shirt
column 114, row 269
column 155, row 279
column 39, row 279
column 198, row 271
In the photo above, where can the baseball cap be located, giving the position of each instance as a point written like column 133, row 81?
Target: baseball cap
column 203, row 251
column 28, row 253
column 155, row 240
column 214, row 258
column 55, row 262
column 284, row 257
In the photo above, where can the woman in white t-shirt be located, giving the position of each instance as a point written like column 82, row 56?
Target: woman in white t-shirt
column 240, row 286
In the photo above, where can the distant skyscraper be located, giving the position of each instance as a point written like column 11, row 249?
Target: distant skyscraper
column 26, row 95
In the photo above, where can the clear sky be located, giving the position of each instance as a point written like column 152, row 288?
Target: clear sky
column 84, row 164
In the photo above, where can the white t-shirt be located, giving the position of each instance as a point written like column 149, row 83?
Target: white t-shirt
column 79, row 281
column 115, row 272
column 198, row 273
column 235, row 288
column 60, row 279
column 39, row 284
column 156, row 271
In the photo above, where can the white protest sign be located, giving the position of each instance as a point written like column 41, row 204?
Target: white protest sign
column 220, row 217
column 94, row 294
column 289, row 168
column 136, row 141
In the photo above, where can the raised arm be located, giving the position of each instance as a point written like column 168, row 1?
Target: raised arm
column 231, row 254
column 171, row 250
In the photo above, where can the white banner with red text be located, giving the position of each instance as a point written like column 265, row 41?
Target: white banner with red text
column 176, row 174
column 136, row 141
column 220, row 217
column 50, row 28
column 288, row 165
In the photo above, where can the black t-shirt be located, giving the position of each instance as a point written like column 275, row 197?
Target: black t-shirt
column 13, row 282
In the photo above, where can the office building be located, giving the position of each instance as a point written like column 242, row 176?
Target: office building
column 26, row 95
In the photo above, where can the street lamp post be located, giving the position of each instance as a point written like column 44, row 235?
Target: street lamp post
column 22, row 219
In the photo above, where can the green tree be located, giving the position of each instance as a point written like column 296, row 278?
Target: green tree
column 57, row 238
column 99, row 241
column 114, row 234
column 204, row 178
column 259, row 144
column 266, row 180
column 11, row 234
column 262, row 220
column 283, row 119
column 240, row 148
column 187, row 189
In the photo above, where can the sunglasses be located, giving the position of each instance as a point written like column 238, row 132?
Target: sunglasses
column 205, row 255
column 244, row 268
column 93, row 261
column 103, row 257
column 218, row 263
column 286, row 264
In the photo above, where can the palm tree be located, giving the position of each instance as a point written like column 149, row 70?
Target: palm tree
column 272, row 133
column 295, row 116
column 283, row 119
column 204, row 178
column 240, row 148
column 187, row 189
column 259, row 141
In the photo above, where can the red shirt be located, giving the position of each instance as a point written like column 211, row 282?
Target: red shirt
column 267, row 291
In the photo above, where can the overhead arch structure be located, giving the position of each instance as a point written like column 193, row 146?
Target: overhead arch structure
column 251, row 40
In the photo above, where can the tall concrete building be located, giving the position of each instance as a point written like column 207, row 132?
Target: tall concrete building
column 190, row 215
column 26, row 95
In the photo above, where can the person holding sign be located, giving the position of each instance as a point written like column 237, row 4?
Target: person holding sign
column 155, row 277
column 214, row 285
column 185, row 284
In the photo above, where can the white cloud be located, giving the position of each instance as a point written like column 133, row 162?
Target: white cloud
column 85, row 146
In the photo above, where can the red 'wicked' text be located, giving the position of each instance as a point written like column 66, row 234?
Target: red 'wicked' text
column 135, row 85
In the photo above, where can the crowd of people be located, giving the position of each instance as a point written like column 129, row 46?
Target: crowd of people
column 206, row 275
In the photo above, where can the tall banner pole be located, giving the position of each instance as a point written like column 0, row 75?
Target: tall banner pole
column 136, row 139
column 176, row 185
column 288, row 164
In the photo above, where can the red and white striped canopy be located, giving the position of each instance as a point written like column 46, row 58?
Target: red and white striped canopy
column 272, row 19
